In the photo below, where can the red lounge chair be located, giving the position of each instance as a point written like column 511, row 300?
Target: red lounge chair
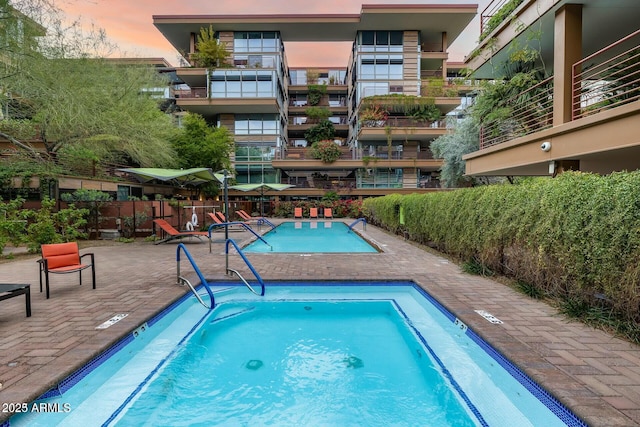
column 218, row 220
column 327, row 213
column 246, row 217
column 62, row 258
column 313, row 213
column 175, row 234
column 297, row 213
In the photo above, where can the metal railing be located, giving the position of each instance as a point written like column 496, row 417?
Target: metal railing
column 228, row 224
column 607, row 79
column 526, row 113
column 246, row 261
column 354, row 223
column 183, row 281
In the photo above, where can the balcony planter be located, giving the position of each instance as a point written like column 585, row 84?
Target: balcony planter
column 326, row 150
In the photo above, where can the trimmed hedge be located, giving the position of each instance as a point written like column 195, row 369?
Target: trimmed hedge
column 574, row 238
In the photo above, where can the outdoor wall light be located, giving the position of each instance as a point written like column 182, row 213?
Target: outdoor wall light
column 545, row 146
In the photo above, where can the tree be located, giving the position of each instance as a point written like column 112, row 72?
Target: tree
column 210, row 53
column 63, row 94
column 463, row 139
column 199, row 145
column 321, row 131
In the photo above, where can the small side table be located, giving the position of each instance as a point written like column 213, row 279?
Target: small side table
column 10, row 290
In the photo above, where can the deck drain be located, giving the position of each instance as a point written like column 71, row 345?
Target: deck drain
column 490, row 317
column 115, row 319
column 254, row 364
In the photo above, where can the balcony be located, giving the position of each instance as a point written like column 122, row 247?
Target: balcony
column 607, row 79
column 526, row 113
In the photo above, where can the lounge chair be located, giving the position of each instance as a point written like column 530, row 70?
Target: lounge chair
column 297, row 213
column 313, row 213
column 328, row 213
column 218, row 220
column 246, row 217
column 62, row 258
column 175, row 234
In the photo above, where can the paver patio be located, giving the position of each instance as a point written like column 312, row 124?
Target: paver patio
column 593, row 373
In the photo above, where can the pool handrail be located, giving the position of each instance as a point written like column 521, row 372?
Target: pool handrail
column 223, row 224
column 362, row 220
column 182, row 280
column 263, row 220
column 246, row 261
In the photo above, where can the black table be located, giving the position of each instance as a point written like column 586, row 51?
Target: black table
column 10, row 290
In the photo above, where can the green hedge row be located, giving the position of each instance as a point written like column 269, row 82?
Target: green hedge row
column 575, row 237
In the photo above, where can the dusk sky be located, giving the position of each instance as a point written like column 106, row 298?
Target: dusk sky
column 129, row 24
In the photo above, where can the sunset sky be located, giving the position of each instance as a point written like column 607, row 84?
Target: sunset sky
column 129, row 24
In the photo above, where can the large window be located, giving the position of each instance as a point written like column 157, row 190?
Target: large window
column 256, row 124
column 255, row 174
column 255, row 41
column 243, row 83
column 381, row 41
column 380, row 67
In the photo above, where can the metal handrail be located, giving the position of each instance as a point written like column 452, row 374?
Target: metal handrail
column 181, row 280
column 263, row 220
column 224, row 224
column 362, row 220
column 244, row 258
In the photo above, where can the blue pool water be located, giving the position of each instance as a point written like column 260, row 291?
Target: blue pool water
column 367, row 354
column 311, row 237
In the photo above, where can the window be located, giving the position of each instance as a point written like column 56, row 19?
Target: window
column 256, row 124
column 267, row 41
column 242, row 83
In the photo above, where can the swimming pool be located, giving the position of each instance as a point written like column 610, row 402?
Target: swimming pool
column 311, row 237
column 305, row 354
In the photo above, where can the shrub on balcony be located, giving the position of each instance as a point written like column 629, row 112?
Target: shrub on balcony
column 499, row 17
column 326, row 150
column 373, row 115
column 210, row 53
column 316, row 114
column 323, row 130
column 316, row 92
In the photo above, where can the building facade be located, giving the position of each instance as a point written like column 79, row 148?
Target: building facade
column 586, row 114
column 385, row 105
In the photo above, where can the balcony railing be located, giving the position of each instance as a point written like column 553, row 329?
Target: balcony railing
column 196, row 92
column 403, row 121
column 528, row 112
column 608, row 81
column 496, row 12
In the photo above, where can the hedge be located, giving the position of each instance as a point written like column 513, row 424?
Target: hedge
column 575, row 237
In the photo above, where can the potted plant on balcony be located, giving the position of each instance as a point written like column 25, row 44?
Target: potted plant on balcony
column 373, row 116
column 326, row 150
column 210, row 53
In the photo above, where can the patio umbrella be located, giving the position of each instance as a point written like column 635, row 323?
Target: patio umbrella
column 261, row 187
column 192, row 176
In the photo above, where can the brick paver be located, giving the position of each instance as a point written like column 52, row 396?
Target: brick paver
column 593, row 373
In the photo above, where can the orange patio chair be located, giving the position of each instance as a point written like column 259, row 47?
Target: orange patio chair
column 62, row 258
column 246, row 217
column 313, row 213
column 172, row 233
column 327, row 213
column 297, row 213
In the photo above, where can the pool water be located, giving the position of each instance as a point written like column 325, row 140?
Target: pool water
column 369, row 354
column 311, row 237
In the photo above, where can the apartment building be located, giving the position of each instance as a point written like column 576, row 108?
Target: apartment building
column 397, row 69
column 586, row 114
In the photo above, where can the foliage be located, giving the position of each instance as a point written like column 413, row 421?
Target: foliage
column 322, row 131
column 210, row 53
column 200, row 145
column 317, row 113
column 373, row 115
column 316, row 92
column 396, row 103
column 326, row 150
column 426, row 113
column 312, row 76
column 462, row 139
column 13, row 224
column 130, row 223
column 91, row 200
column 573, row 237
column 59, row 91
column 499, row 17
column 47, row 226
column 330, row 196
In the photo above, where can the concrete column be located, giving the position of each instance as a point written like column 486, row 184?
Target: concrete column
column 567, row 50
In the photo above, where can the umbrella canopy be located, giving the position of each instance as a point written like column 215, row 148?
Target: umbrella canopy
column 262, row 187
column 193, row 176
